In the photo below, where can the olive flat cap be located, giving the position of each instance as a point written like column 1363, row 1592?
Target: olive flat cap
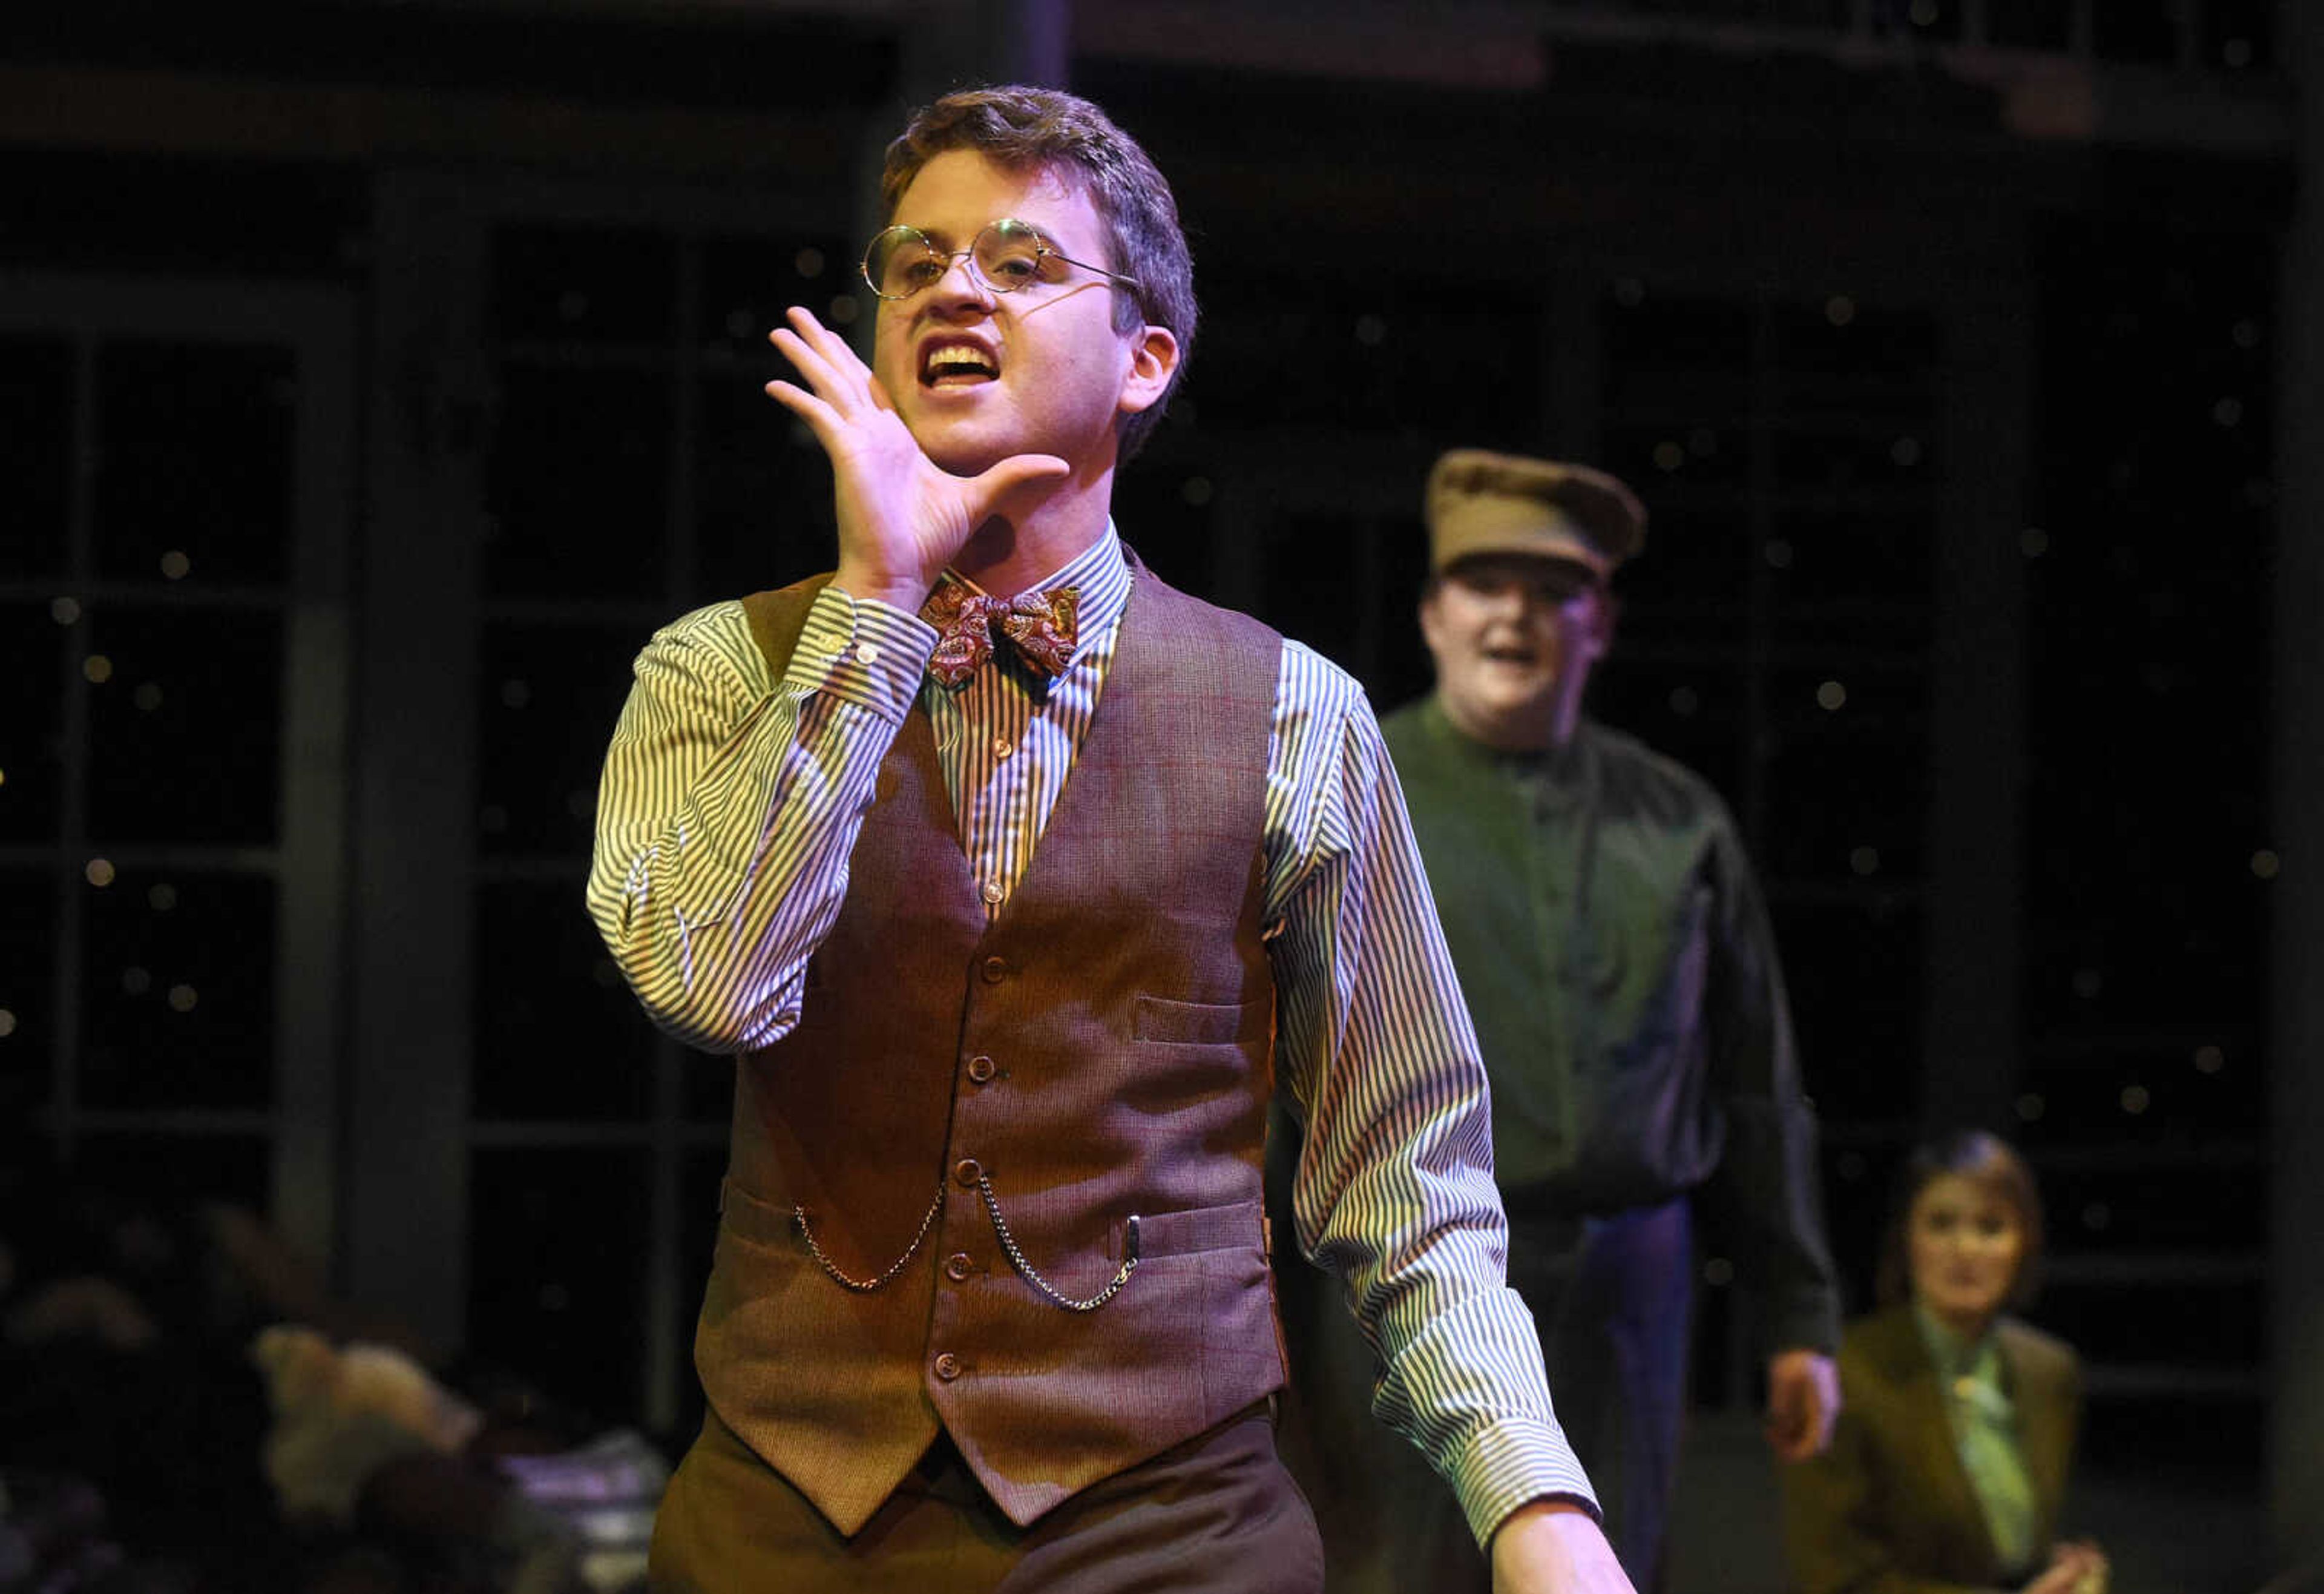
column 1480, row 502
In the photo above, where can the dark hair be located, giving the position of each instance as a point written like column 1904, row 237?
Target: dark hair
column 1986, row 1161
column 1025, row 129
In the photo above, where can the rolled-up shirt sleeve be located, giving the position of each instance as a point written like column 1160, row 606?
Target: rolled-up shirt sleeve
column 1394, row 1190
column 730, row 803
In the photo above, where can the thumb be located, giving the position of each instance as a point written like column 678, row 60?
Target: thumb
column 1019, row 471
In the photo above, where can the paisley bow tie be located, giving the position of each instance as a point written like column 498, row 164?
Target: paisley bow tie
column 1040, row 625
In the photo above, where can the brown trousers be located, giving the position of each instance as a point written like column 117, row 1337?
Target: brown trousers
column 1217, row 1513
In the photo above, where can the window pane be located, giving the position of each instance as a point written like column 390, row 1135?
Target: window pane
column 1335, row 342
column 36, row 454
column 2033, row 25
column 2239, row 34
column 1689, row 710
column 1659, row 342
column 1848, row 777
column 708, row 1083
column 184, row 721
column 174, row 1172
column 178, row 990
column 28, row 938
column 747, row 284
column 1858, row 1180
column 193, row 460
column 763, row 514
column 1688, row 589
column 1862, row 360
column 576, row 485
column 1853, row 969
column 2135, row 29
column 1861, row 579
column 32, row 753
column 1298, row 605
column 2105, row 1084
column 557, row 1294
column 560, row 1035
column 2142, row 1204
column 583, row 285
column 1163, row 511
column 701, row 1178
column 550, row 696
column 1847, row 455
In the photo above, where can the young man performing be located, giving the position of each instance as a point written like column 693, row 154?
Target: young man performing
column 1012, row 878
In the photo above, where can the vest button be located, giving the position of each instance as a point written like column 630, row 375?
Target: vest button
column 996, row 969
column 957, row 1266
column 967, row 1172
column 947, row 1367
column 981, row 1070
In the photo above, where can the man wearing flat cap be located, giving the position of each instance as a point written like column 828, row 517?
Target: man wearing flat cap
column 1617, row 961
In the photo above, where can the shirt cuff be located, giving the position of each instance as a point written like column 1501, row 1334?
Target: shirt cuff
column 1512, row 1463
column 863, row 652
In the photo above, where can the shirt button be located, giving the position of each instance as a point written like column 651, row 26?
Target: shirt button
column 867, row 653
column 996, row 969
column 992, row 891
column 957, row 1266
column 947, row 1367
column 981, row 1070
column 1001, row 749
column 967, row 1172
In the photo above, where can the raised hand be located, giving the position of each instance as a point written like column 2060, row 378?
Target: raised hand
column 901, row 518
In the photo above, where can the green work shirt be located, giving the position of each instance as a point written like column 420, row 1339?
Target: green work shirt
column 1619, row 968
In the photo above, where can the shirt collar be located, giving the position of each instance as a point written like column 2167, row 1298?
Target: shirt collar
column 1956, row 1357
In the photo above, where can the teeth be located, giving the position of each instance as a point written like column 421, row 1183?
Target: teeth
column 956, row 358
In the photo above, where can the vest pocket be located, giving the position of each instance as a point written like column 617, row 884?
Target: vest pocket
column 1197, row 1024
column 748, row 1218
column 1200, row 1228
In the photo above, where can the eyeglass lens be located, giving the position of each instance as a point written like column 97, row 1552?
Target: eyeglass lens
column 901, row 260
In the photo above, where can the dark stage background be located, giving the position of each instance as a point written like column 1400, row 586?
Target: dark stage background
column 374, row 377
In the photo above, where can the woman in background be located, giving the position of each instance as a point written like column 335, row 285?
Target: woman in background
column 1950, row 1460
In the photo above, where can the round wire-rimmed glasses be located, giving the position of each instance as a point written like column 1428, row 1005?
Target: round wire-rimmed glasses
column 1007, row 256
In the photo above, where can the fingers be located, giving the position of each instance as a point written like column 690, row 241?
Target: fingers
column 835, row 389
column 821, row 418
column 1791, row 1432
column 1017, row 477
column 1020, row 470
column 823, row 360
column 1798, row 1444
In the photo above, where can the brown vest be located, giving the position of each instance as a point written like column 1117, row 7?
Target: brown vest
column 1100, row 1052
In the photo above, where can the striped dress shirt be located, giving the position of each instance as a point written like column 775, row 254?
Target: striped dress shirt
column 730, row 801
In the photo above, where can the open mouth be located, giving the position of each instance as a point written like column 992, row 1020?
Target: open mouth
column 957, row 364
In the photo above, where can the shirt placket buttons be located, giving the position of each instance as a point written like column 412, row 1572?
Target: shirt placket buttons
column 947, row 1367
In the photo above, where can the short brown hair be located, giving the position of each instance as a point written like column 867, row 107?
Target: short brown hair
column 1991, row 1164
column 1024, row 128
